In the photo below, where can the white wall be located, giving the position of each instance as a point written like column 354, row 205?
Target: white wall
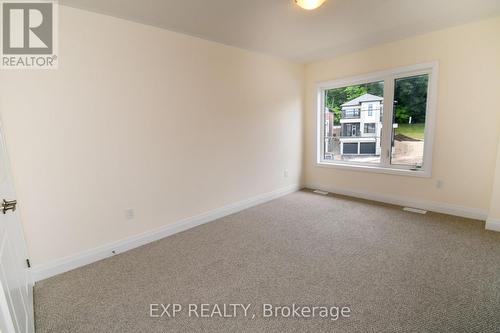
column 467, row 125
column 139, row 117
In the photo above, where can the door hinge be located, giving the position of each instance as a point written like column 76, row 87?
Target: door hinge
column 9, row 205
column 28, row 263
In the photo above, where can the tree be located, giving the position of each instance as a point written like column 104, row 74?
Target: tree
column 402, row 115
column 411, row 97
column 353, row 92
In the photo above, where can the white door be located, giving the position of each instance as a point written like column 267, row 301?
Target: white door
column 16, row 285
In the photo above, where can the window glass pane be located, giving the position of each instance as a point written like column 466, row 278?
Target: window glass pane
column 370, row 127
column 410, row 107
column 353, row 123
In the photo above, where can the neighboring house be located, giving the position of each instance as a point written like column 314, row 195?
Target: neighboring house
column 361, row 122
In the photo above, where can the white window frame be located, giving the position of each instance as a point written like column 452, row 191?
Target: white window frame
column 389, row 77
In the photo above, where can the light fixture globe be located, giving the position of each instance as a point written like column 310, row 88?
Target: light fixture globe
column 309, row 4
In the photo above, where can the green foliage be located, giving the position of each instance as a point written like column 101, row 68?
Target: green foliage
column 402, row 115
column 353, row 92
column 415, row 131
column 338, row 114
column 410, row 96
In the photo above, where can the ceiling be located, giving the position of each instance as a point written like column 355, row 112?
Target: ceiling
column 281, row 28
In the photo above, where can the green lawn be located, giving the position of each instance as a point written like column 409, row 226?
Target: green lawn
column 415, row 131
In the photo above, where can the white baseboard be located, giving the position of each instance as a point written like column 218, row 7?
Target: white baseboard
column 438, row 207
column 493, row 224
column 45, row 271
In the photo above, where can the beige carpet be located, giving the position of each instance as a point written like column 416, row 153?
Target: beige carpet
column 397, row 271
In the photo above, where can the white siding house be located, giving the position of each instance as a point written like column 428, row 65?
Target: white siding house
column 361, row 122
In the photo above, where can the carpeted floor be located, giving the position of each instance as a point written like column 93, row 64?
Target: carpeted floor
column 396, row 271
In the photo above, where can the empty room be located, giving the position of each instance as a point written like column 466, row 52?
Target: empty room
column 249, row 166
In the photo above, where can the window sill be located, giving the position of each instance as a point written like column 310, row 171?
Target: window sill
column 376, row 169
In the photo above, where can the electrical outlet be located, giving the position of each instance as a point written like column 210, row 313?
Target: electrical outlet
column 129, row 214
column 285, row 173
column 439, row 184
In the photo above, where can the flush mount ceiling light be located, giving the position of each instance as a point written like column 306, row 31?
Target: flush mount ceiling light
column 309, row 4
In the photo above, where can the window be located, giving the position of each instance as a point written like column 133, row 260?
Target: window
column 349, row 107
column 410, row 104
column 370, row 128
column 349, row 130
column 350, row 114
column 385, row 121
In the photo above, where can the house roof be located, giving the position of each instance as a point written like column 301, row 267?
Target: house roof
column 363, row 98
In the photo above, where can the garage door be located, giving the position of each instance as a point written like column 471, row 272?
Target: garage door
column 350, row 148
column 367, row 148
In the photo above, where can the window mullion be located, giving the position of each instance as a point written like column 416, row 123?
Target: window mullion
column 385, row 144
column 321, row 125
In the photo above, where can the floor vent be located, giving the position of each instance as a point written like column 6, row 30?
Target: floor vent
column 414, row 210
column 321, row 192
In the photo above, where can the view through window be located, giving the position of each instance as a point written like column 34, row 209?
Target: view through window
column 353, row 123
column 357, row 128
column 410, row 105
